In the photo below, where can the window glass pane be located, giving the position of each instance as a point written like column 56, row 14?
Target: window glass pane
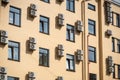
column 91, row 48
column 40, row 59
column 67, row 35
column 10, row 78
column 45, row 59
column 91, row 56
column 69, row 56
column 67, row 66
column 46, row 0
column 91, row 29
column 90, row 6
column 10, row 53
column 67, row 4
column 72, row 6
column 14, row 10
column 17, row 20
column 41, row 26
column 11, row 18
column 13, row 44
column 71, row 36
column 71, row 65
column 16, row 53
column 46, row 27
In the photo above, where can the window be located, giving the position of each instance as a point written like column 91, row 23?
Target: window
column 46, row 1
column 113, row 44
column 15, row 16
column 44, row 25
column 44, row 57
column 92, row 54
column 70, row 65
column 13, row 51
column 70, row 4
column 12, row 78
column 118, row 46
column 116, row 73
column 91, row 7
column 70, row 35
column 91, row 27
column 93, row 76
column 119, row 71
column 116, row 19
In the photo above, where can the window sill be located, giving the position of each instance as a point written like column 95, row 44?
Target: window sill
column 116, row 52
column 70, row 70
column 70, row 40
column 43, row 65
column 14, row 60
column 92, row 34
column 116, row 25
column 15, row 25
column 92, row 61
column 44, row 33
column 70, row 10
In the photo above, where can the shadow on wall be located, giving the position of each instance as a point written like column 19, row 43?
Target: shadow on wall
column 29, row 17
column 56, row 54
column 59, row 2
column 56, row 23
column 2, row 45
column 28, row 51
column 77, row 62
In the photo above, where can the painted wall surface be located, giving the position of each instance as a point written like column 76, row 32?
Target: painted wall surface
column 29, row 61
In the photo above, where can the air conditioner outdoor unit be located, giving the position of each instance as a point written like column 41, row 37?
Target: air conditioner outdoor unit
column 3, row 33
column 3, row 70
column 79, row 23
column 33, row 13
column 33, row 6
column 61, row 16
column 79, row 52
column 32, row 46
column 79, row 57
column 32, row 40
column 110, row 69
column 6, row 1
column 110, row 61
column 60, row 53
column 3, row 40
column 60, row 78
column 80, row 28
column 109, row 19
column 3, row 77
column 60, row 47
column 60, row 19
column 60, row 22
column 31, row 74
column 109, row 32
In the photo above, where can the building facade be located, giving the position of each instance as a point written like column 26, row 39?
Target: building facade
column 59, row 40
